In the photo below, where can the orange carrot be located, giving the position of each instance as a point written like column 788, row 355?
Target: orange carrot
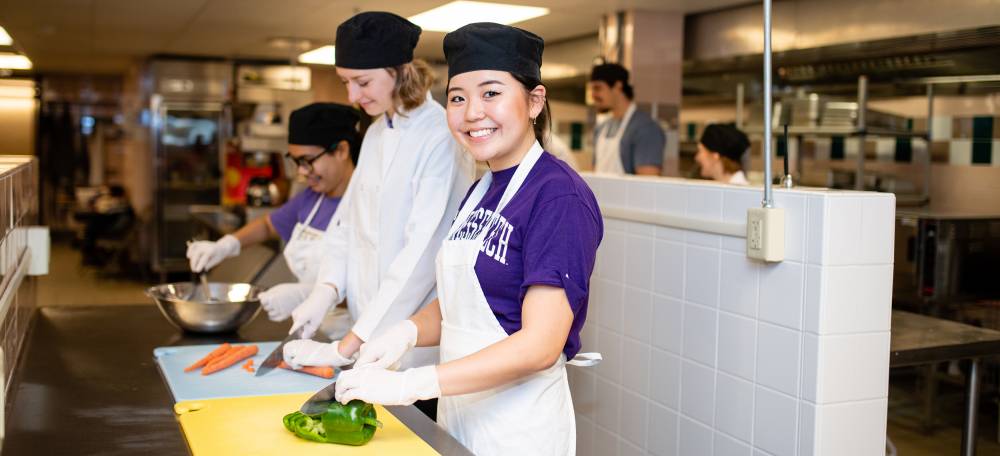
column 248, row 366
column 319, row 371
column 232, row 357
column 221, row 349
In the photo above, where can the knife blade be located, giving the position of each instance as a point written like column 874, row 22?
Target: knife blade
column 318, row 403
column 276, row 356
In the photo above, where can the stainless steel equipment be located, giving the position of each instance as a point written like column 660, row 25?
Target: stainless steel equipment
column 190, row 124
column 234, row 305
column 946, row 257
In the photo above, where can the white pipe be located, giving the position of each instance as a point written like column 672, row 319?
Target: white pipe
column 768, row 126
column 675, row 221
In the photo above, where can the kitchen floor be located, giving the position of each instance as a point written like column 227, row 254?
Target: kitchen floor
column 70, row 283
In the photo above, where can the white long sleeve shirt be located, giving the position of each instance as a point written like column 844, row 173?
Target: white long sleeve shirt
column 382, row 243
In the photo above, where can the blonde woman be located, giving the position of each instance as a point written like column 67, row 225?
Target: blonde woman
column 380, row 247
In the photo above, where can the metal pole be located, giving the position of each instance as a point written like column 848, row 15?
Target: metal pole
column 739, row 105
column 768, row 126
column 927, row 157
column 859, row 175
column 971, row 407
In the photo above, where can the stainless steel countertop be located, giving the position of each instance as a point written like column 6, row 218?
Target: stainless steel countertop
column 87, row 384
column 934, row 213
column 919, row 339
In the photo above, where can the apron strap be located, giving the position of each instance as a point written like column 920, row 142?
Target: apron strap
column 586, row 359
column 315, row 209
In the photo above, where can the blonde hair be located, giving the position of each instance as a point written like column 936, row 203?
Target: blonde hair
column 413, row 80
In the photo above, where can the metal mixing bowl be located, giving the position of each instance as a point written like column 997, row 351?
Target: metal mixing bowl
column 234, row 305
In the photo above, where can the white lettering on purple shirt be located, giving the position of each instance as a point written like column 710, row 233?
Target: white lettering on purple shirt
column 497, row 233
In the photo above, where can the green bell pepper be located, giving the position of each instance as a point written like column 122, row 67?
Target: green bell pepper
column 351, row 424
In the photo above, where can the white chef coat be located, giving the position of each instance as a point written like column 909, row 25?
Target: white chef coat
column 380, row 247
column 739, row 178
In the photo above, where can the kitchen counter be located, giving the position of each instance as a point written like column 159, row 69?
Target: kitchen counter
column 87, row 384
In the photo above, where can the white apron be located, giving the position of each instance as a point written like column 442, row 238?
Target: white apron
column 607, row 151
column 303, row 248
column 533, row 415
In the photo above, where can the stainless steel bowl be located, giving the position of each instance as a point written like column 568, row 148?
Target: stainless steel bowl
column 232, row 305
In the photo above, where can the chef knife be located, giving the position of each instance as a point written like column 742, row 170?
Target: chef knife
column 276, row 356
column 318, row 403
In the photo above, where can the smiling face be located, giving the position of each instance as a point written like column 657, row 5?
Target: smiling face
column 328, row 169
column 709, row 163
column 370, row 89
column 490, row 112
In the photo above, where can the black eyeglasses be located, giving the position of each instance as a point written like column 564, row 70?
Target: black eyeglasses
column 306, row 162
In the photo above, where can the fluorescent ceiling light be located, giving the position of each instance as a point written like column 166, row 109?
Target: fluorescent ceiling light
column 320, row 56
column 5, row 39
column 454, row 15
column 14, row 61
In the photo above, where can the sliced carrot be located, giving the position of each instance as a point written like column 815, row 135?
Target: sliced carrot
column 221, row 349
column 248, row 366
column 319, row 371
column 232, row 357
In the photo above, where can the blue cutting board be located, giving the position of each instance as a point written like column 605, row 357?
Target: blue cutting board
column 233, row 381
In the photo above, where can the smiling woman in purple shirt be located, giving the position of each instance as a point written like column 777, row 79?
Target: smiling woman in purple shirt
column 513, row 273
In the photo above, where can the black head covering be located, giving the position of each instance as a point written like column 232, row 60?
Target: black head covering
column 325, row 125
column 726, row 140
column 610, row 73
column 375, row 39
column 489, row 46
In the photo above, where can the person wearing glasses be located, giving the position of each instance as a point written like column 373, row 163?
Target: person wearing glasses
column 324, row 143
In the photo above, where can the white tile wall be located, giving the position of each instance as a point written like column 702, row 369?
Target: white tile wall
column 18, row 210
column 737, row 345
column 734, row 407
column 707, row 352
column 698, row 387
column 699, row 333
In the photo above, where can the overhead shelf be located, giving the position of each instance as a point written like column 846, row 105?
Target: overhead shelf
column 838, row 131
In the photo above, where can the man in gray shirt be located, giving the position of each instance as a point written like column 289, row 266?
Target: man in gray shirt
column 630, row 142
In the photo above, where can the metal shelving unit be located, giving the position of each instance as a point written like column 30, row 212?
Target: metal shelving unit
column 861, row 129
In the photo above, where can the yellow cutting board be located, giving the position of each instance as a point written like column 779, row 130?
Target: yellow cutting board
column 252, row 426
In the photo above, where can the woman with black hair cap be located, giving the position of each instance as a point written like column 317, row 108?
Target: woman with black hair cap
column 512, row 275
column 720, row 154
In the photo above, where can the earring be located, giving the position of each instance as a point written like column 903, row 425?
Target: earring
column 533, row 120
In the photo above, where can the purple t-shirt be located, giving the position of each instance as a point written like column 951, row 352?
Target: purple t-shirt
column 548, row 234
column 297, row 210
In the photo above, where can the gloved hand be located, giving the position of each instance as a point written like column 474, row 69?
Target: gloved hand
column 204, row 255
column 309, row 315
column 386, row 387
column 279, row 300
column 385, row 351
column 305, row 352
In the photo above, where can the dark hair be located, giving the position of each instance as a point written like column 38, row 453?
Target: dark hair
column 627, row 90
column 354, row 149
column 543, row 123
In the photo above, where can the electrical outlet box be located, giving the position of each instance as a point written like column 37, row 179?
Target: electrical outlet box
column 766, row 233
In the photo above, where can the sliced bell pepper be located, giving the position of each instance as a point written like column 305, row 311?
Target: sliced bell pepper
column 351, row 424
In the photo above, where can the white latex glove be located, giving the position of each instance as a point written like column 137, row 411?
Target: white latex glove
column 204, row 255
column 386, row 350
column 279, row 300
column 386, row 387
column 305, row 352
column 310, row 313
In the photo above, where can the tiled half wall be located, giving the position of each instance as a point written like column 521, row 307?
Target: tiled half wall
column 707, row 352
